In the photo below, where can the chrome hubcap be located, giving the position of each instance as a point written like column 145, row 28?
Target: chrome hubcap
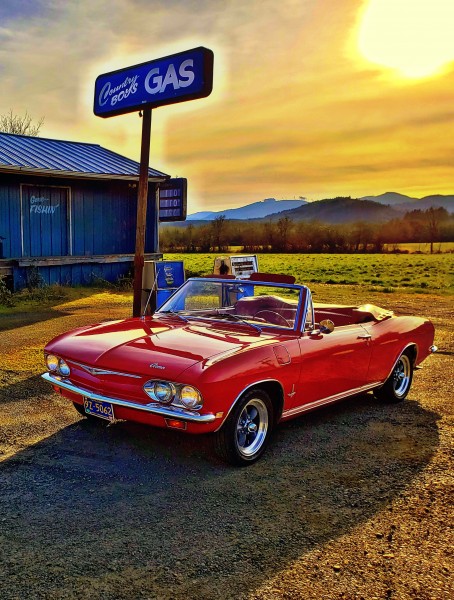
column 252, row 427
column 401, row 376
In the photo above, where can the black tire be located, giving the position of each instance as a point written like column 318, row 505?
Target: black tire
column 397, row 386
column 245, row 435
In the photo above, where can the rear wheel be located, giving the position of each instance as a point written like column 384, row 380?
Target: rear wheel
column 398, row 384
column 244, row 436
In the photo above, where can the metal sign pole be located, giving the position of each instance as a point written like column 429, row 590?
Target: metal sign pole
column 141, row 211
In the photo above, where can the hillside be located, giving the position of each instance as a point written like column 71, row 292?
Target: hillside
column 434, row 201
column 256, row 210
column 391, row 199
column 340, row 210
column 404, row 203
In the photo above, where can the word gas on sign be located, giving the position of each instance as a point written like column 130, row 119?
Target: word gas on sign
column 176, row 78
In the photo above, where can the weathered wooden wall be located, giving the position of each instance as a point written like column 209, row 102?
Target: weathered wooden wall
column 85, row 230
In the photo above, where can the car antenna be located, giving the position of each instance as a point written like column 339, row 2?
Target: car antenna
column 149, row 295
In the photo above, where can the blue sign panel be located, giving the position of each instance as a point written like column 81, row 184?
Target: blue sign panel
column 173, row 195
column 176, row 78
column 170, row 274
column 169, row 277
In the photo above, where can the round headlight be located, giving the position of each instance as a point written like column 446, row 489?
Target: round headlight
column 190, row 397
column 63, row 368
column 164, row 392
column 52, row 362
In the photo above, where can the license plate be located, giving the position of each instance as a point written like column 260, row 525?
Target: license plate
column 99, row 408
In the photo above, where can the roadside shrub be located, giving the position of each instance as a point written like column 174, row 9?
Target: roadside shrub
column 39, row 291
column 48, row 293
column 125, row 282
column 6, row 297
column 99, row 282
column 34, row 279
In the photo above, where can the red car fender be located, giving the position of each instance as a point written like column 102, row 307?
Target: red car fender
column 392, row 337
column 223, row 383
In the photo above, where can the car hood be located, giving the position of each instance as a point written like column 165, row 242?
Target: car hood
column 164, row 347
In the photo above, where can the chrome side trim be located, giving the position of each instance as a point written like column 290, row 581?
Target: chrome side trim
column 251, row 385
column 96, row 371
column 158, row 409
column 317, row 403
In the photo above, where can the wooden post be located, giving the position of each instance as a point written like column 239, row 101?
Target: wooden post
column 142, row 196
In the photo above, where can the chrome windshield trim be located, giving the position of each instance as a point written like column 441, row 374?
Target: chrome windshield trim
column 302, row 289
column 164, row 411
column 98, row 371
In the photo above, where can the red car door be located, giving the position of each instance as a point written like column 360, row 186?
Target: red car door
column 333, row 363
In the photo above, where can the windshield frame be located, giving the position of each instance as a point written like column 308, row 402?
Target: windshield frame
column 304, row 296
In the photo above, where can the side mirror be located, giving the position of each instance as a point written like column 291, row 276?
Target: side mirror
column 326, row 326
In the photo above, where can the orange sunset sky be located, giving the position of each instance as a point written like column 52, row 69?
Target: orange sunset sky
column 311, row 98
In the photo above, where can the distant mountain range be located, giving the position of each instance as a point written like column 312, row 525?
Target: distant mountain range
column 373, row 209
column 340, row 210
column 405, row 203
column 256, row 210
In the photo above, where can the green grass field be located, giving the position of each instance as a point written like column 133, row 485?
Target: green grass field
column 420, row 273
column 324, row 273
column 422, row 247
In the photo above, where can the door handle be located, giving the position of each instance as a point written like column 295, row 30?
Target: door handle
column 364, row 336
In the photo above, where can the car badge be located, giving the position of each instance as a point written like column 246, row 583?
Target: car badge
column 156, row 366
column 96, row 371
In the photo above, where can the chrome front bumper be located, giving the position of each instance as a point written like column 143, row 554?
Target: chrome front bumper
column 157, row 409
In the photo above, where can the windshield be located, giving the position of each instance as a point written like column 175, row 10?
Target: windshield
column 254, row 303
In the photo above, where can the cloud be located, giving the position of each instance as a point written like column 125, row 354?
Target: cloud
column 293, row 110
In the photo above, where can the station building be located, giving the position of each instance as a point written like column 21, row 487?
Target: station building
column 69, row 210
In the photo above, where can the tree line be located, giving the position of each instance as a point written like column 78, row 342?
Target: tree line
column 432, row 226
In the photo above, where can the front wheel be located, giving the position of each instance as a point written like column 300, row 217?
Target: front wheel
column 398, row 384
column 244, row 436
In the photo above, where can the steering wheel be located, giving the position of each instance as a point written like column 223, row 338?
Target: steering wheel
column 280, row 319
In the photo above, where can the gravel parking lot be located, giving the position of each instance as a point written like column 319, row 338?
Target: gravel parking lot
column 352, row 501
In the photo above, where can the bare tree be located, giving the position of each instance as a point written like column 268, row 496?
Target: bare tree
column 218, row 228
column 434, row 217
column 283, row 226
column 20, row 125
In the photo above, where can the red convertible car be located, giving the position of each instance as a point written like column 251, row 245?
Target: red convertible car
column 235, row 358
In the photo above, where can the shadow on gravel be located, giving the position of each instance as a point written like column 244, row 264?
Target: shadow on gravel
column 15, row 320
column 20, row 391
column 128, row 512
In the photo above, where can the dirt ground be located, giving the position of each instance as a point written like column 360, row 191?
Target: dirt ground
column 350, row 502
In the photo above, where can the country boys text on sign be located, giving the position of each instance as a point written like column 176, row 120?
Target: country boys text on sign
column 176, row 78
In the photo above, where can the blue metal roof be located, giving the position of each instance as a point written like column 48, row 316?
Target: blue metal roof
column 40, row 155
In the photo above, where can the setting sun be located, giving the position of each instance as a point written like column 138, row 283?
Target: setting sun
column 412, row 36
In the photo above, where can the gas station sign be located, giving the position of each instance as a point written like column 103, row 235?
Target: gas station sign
column 173, row 195
column 184, row 76
column 176, row 78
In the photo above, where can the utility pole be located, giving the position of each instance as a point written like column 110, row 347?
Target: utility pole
column 142, row 197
